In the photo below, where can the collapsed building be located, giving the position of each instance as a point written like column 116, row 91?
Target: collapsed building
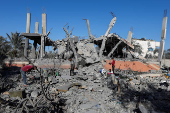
column 83, row 50
column 91, row 89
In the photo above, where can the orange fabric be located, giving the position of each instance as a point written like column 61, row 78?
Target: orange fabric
column 131, row 65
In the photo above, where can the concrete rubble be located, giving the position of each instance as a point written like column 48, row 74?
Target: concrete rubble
column 92, row 89
column 88, row 91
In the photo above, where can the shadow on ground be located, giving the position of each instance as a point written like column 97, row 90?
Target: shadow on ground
column 157, row 100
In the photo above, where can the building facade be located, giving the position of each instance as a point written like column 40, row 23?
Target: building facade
column 148, row 46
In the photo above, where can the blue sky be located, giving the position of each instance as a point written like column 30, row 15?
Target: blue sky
column 144, row 15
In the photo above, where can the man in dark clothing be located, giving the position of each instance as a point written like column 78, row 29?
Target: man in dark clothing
column 25, row 69
column 72, row 67
column 113, row 64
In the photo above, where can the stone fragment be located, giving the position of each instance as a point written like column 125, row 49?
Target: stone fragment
column 34, row 94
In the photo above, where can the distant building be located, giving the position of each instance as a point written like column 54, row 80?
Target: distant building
column 148, row 46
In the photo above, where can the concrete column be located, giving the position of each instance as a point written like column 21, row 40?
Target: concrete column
column 44, row 24
column 102, row 47
column 27, row 31
column 36, row 27
column 161, row 50
column 35, row 43
column 112, row 51
column 34, row 50
column 105, row 37
column 164, row 25
column 42, row 47
column 112, row 22
column 88, row 27
column 163, row 36
column 129, row 38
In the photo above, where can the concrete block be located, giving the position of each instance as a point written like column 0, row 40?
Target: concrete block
column 76, row 38
column 61, row 49
column 19, row 93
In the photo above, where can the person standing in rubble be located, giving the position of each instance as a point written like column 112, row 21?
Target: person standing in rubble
column 72, row 67
column 25, row 69
column 113, row 64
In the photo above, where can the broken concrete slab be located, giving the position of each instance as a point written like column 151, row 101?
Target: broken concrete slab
column 66, row 87
column 19, row 93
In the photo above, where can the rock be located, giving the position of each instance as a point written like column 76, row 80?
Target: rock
column 34, row 94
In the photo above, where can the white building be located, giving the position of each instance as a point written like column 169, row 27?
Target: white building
column 148, row 46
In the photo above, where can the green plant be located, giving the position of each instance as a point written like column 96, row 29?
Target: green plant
column 4, row 49
column 16, row 43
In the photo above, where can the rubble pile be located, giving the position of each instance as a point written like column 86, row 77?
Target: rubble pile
column 149, row 94
column 88, row 91
column 91, row 88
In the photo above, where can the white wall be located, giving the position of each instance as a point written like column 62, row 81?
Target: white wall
column 144, row 45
